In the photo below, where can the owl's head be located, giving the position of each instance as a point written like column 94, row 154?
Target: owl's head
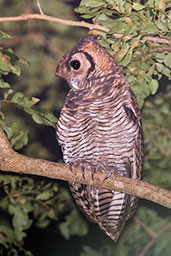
column 87, row 61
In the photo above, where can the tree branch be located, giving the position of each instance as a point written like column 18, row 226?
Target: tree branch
column 39, row 7
column 24, row 17
column 84, row 24
column 10, row 161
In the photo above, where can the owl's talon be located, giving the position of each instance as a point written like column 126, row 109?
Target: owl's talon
column 83, row 171
column 71, row 169
column 93, row 172
column 108, row 176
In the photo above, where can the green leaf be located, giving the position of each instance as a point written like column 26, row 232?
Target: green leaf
column 121, row 5
column 122, row 52
column 16, row 70
column 162, row 25
column 92, row 3
column 20, row 220
column 6, row 94
column 38, row 118
column 105, row 20
column 17, row 138
column 44, row 195
column 126, row 60
column 6, row 235
column 18, row 97
column 138, row 6
column 50, row 117
column 8, row 61
column 159, row 67
column 167, row 60
column 81, row 10
column 88, row 16
column 63, row 227
column 117, row 25
column 4, row 63
column 154, row 85
column 21, row 99
column 73, row 225
column 20, row 140
column 151, row 28
column 5, row 35
column 8, row 131
column 151, row 70
column 4, row 84
column 159, row 56
column 167, row 72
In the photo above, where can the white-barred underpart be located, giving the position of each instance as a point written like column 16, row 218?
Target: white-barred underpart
column 100, row 129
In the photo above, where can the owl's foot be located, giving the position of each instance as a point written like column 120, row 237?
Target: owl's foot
column 108, row 176
column 77, row 164
column 71, row 168
column 93, row 172
column 83, row 171
column 84, row 166
column 87, row 166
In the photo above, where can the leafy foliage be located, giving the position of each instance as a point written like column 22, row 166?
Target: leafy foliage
column 133, row 29
column 9, row 64
column 25, row 201
column 73, row 225
column 138, row 38
column 157, row 139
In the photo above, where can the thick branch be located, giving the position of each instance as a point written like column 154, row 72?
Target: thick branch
column 90, row 26
column 14, row 162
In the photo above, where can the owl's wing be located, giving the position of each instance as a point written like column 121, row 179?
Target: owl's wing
column 80, row 193
column 108, row 208
column 109, row 139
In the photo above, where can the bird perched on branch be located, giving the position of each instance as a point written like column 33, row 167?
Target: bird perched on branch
column 100, row 129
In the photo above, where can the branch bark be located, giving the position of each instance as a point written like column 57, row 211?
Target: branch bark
column 84, row 24
column 11, row 161
column 25, row 17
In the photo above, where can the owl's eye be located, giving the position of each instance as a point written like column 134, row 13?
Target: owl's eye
column 75, row 64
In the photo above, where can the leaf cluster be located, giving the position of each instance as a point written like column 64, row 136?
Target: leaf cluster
column 130, row 25
column 9, row 64
column 23, row 202
column 157, row 135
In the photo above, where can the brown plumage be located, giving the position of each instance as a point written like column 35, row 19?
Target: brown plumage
column 100, row 128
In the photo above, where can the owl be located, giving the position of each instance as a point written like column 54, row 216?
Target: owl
column 99, row 129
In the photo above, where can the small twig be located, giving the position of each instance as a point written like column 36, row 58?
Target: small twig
column 161, row 49
column 36, row 37
column 164, row 229
column 80, row 24
column 54, row 19
column 156, row 40
column 145, row 227
column 39, row 7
